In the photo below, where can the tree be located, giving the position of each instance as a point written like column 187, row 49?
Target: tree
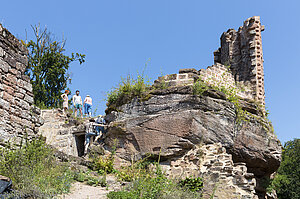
column 287, row 180
column 48, row 67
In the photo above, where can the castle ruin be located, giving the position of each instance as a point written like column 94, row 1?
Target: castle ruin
column 18, row 116
column 238, row 63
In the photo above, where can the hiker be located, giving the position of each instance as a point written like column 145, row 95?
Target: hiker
column 90, row 130
column 77, row 102
column 65, row 98
column 87, row 104
column 100, row 128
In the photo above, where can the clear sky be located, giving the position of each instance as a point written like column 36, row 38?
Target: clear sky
column 119, row 36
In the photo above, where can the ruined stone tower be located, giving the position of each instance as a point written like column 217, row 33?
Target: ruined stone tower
column 238, row 64
column 242, row 51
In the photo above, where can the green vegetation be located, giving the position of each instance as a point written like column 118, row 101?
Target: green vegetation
column 90, row 179
column 200, row 86
column 138, row 169
column 47, row 67
column 149, row 182
column 193, row 184
column 101, row 163
column 128, row 89
column 230, row 92
column 153, row 185
column 287, row 180
column 34, row 171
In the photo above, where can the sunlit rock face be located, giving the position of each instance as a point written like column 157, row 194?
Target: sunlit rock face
column 174, row 122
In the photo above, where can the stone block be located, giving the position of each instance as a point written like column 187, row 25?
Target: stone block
column 171, row 77
column 182, row 76
column 10, row 60
column 12, row 79
column 27, row 86
column 188, row 70
column 8, row 97
column 9, row 89
column 29, row 99
column 19, row 95
column 4, row 66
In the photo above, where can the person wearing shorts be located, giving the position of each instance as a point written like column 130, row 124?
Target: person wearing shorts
column 77, row 101
column 87, row 103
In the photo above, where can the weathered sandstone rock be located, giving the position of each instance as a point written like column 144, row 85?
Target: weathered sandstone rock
column 174, row 121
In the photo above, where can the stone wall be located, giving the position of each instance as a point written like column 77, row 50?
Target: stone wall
column 185, row 77
column 216, row 167
column 242, row 51
column 65, row 135
column 217, row 74
column 17, row 113
column 238, row 64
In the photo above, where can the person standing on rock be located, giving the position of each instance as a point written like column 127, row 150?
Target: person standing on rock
column 65, row 98
column 87, row 103
column 77, row 102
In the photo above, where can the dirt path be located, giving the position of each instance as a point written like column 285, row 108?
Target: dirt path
column 81, row 190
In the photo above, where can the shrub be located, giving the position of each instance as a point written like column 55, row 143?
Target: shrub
column 101, row 163
column 193, row 184
column 153, row 188
column 34, row 171
column 146, row 188
column 127, row 90
column 151, row 184
column 136, row 170
column 199, row 87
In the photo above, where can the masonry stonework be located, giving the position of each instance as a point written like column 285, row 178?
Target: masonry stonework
column 238, row 64
column 242, row 51
column 18, row 116
column 221, row 175
column 66, row 136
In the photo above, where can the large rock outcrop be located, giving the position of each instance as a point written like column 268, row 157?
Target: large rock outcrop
column 174, row 121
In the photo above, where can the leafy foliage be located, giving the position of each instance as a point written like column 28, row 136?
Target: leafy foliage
column 47, row 67
column 34, row 170
column 199, row 87
column 193, row 184
column 287, row 180
column 152, row 188
column 101, row 163
column 136, row 170
column 149, row 184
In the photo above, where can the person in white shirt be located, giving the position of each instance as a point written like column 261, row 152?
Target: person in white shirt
column 77, row 102
column 87, row 103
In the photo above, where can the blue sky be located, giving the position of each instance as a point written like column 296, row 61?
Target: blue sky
column 119, row 36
